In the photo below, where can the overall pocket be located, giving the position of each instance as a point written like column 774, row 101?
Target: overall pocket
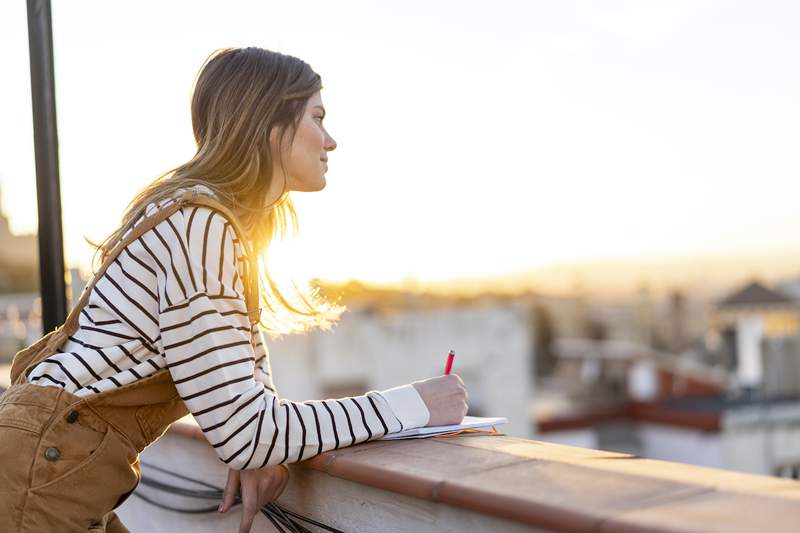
column 23, row 417
column 18, row 440
column 86, row 477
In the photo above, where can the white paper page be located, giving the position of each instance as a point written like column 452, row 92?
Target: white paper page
column 469, row 422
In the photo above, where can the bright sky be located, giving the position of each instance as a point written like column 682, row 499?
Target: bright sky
column 474, row 138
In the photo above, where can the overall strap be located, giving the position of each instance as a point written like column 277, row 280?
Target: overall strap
column 46, row 346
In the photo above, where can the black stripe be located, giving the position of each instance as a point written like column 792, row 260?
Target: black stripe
column 202, row 314
column 128, row 297
column 227, row 234
column 235, row 432
column 274, row 434
column 171, row 262
column 164, row 270
column 100, row 322
column 123, row 317
column 205, row 249
column 98, row 350
column 86, row 314
column 225, row 297
column 217, row 406
column 200, row 295
column 85, row 364
column 118, row 335
column 141, row 263
column 64, row 370
column 185, row 253
column 128, row 354
column 206, row 352
column 222, row 258
column 216, row 387
column 204, row 333
column 189, row 225
column 333, row 423
column 235, row 454
column 349, row 423
column 211, row 369
column 235, row 279
column 319, row 432
column 51, row 378
column 375, row 408
column 303, row 439
column 286, row 445
column 109, row 333
column 144, row 287
column 363, row 419
column 220, row 424
column 257, row 440
column 183, row 304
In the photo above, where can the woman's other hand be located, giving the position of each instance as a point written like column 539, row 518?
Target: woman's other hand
column 445, row 397
column 259, row 486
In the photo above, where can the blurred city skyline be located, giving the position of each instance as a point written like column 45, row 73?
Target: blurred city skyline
column 473, row 143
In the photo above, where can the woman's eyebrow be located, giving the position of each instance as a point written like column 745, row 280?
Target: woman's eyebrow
column 320, row 107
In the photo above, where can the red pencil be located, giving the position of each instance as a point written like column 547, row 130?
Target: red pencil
column 449, row 364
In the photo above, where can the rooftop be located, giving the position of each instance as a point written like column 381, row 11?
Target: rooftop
column 755, row 294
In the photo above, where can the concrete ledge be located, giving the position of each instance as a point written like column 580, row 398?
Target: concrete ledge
column 557, row 487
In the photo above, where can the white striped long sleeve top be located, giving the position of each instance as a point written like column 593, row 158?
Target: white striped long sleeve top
column 174, row 299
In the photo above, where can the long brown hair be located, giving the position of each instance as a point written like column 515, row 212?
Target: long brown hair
column 239, row 96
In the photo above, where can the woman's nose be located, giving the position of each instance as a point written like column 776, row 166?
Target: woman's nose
column 330, row 144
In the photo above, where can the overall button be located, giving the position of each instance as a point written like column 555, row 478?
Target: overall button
column 52, row 454
column 72, row 417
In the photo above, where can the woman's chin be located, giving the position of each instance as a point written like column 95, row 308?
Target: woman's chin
column 317, row 185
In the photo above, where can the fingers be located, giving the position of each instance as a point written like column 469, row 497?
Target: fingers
column 231, row 489
column 249, row 485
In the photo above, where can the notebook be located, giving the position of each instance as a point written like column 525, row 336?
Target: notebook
column 469, row 422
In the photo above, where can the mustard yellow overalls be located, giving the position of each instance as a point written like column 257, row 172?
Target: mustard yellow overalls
column 66, row 462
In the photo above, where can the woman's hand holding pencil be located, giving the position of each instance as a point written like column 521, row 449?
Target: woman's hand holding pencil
column 444, row 396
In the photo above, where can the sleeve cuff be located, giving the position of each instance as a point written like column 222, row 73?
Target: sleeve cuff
column 407, row 405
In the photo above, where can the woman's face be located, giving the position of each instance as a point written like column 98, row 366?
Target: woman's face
column 306, row 160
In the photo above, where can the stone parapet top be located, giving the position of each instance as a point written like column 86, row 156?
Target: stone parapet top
column 563, row 488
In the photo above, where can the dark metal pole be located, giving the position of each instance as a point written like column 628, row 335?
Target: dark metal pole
column 43, row 98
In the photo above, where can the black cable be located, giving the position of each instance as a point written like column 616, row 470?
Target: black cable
column 180, row 476
column 297, row 526
column 176, row 509
column 279, row 516
column 274, row 523
column 310, row 521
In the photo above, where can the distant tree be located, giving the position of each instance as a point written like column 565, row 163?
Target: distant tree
column 595, row 329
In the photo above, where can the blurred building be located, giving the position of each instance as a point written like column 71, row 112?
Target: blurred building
column 374, row 348
column 758, row 328
column 743, row 414
column 18, row 259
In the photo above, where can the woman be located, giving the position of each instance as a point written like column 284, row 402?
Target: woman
column 170, row 323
